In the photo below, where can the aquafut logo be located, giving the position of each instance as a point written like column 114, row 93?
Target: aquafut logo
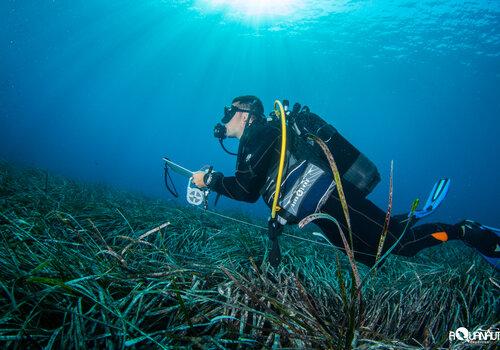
column 479, row 336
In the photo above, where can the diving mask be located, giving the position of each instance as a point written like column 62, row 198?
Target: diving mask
column 230, row 111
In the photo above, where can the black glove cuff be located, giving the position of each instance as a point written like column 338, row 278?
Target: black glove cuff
column 212, row 178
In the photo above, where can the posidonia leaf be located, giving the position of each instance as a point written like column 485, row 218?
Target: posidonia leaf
column 40, row 267
column 50, row 282
column 134, row 341
column 222, row 317
column 385, row 229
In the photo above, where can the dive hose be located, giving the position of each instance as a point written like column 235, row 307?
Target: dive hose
column 274, row 228
column 279, row 112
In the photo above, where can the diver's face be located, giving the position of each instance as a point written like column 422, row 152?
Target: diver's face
column 236, row 126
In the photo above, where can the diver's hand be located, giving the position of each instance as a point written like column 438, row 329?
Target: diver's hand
column 198, row 179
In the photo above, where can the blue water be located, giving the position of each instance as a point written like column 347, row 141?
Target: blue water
column 101, row 90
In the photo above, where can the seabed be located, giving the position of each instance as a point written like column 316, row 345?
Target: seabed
column 89, row 266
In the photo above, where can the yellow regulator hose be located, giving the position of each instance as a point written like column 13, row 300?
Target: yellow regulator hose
column 279, row 110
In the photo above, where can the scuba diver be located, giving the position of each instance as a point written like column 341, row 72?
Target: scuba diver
column 307, row 185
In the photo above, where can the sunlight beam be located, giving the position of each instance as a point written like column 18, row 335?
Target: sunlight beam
column 254, row 9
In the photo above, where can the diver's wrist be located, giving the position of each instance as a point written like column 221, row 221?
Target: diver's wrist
column 211, row 178
column 207, row 179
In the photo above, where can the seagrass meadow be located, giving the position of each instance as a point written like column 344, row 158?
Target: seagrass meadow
column 88, row 266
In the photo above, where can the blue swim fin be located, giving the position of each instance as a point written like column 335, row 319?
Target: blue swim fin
column 485, row 239
column 492, row 229
column 437, row 195
column 493, row 260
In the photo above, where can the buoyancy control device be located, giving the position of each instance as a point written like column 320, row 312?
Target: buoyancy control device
column 307, row 169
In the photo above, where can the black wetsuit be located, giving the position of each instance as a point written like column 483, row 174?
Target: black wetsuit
column 259, row 151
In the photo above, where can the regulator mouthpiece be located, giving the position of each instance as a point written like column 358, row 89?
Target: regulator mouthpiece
column 220, row 131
